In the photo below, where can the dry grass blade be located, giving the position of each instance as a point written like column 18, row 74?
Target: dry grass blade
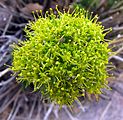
column 69, row 114
column 105, row 111
column 4, row 72
column 7, row 25
column 13, row 109
column 16, row 110
column 32, row 109
column 47, row 114
column 7, row 81
column 8, row 101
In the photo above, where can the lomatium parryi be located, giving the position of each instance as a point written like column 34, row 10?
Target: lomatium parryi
column 64, row 56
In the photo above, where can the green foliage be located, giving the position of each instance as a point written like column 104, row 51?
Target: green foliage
column 94, row 4
column 64, row 56
column 87, row 4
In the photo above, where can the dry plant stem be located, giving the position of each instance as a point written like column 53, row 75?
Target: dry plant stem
column 18, row 25
column 117, row 5
column 11, row 38
column 3, row 89
column 2, row 5
column 4, row 72
column 16, row 110
column 117, row 86
column 116, row 58
column 3, row 56
column 9, row 102
column 55, row 111
column 119, row 36
column 2, row 49
column 8, row 31
column 7, row 81
column 45, row 108
column 40, row 106
column 32, row 109
column 7, row 25
column 5, row 50
column 105, row 97
column 111, row 11
column 117, row 28
column 17, row 14
column 106, row 109
column 80, row 105
column 26, row 17
column 106, row 19
column 7, row 91
column 13, row 108
column 25, row 98
column 115, row 42
column 5, row 60
column 48, row 112
column 23, row 118
column 69, row 114
column 19, row 32
column 118, row 51
column 8, row 43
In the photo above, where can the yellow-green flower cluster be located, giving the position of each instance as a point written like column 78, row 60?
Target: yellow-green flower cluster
column 64, row 56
